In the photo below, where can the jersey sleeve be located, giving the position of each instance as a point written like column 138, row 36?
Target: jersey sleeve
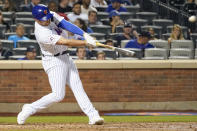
column 46, row 37
column 56, row 18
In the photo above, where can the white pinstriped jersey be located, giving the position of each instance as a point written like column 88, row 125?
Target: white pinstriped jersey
column 60, row 69
column 47, row 36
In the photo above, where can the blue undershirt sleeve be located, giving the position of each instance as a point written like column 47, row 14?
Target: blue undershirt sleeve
column 71, row 27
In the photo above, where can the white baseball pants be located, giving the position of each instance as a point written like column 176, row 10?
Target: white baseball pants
column 61, row 70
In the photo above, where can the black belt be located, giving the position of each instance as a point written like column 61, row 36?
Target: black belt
column 58, row 54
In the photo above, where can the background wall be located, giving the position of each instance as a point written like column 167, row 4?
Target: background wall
column 111, row 89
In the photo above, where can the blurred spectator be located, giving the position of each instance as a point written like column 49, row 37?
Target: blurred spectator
column 81, row 24
column 77, row 13
column 100, row 56
column 1, row 2
column 141, row 42
column 81, row 53
column 98, row 3
column 5, row 52
column 30, row 6
column 109, row 42
column 128, row 34
column 72, row 2
column 63, row 6
column 86, row 7
column 92, row 18
column 176, row 34
column 9, row 6
column 30, row 54
column 3, row 22
column 53, row 7
column 115, row 20
column 20, row 31
column 116, row 5
column 152, row 33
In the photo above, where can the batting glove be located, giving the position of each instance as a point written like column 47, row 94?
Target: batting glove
column 89, row 39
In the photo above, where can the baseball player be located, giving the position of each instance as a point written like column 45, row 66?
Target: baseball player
column 50, row 32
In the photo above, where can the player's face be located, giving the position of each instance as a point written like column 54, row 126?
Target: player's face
column 44, row 23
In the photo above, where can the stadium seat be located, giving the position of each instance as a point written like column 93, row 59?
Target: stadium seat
column 177, row 53
column 2, row 30
column 195, row 54
column 7, row 44
column 157, row 29
column 16, row 57
column 2, row 57
column 184, row 30
column 155, row 53
column 163, row 22
column 8, row 20
column 194, row 38
column 188, row 44
column 102, row 15
column 133, row 9
column 29, row 21
column 138, row 53
column 101, row 8
column 72, row 51
column 38, row 57
column 105, row 21
column 108, row 53
column 138, row 23
column 119, row 29
column 160, row 44
column 27, row 43
column 19, row 51
column 32, row 36
column 113, row 35
column 126, row 15
column 123, row 43
column 23, row 15
column 166, row 36
column 147, row 15
column 127, row 58
column 28, row 28
column 9, row 15
column 98, row 36
column 101, row 29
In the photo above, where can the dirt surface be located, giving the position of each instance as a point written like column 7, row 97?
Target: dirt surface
column 172, row 126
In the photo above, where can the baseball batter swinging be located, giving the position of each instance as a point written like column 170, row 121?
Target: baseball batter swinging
column 50, row 32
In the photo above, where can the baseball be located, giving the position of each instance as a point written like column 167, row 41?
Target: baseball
column 192, row 18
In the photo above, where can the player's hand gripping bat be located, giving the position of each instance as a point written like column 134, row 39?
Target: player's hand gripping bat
column 120, row 50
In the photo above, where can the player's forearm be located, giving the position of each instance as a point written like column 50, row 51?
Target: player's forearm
column 71, row 42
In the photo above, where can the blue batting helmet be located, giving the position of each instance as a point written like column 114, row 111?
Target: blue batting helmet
column 41, row 12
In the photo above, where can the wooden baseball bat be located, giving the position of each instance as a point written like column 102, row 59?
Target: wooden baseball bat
column 120, row 50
